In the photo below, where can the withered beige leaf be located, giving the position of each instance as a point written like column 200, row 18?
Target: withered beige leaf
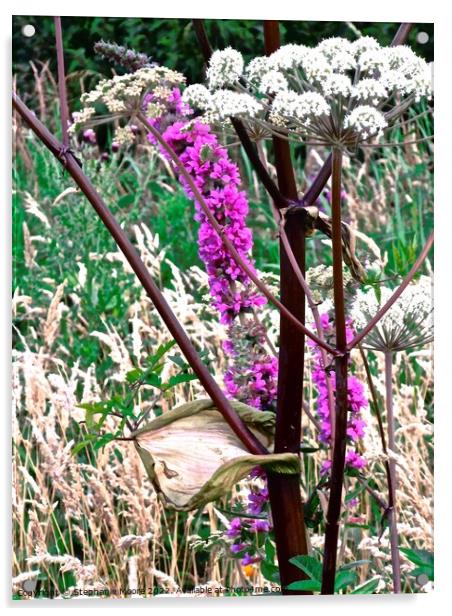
column 192, row 456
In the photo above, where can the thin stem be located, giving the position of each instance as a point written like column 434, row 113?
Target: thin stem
column 156, row 296
column 341, row 369
column 240, row 261
column 64, row 110
column 392, row 515
column 401, row 34
column 395, row 296
column 390, row 510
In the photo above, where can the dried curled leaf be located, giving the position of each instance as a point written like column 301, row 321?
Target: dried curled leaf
column 192, row 456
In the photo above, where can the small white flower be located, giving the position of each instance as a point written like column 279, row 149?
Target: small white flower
column 225, row 68
column 273, row 82
column 370, row 91
column 366, row 121
column 408, row 323
column 316, row 66
column 337, row 84
column 311, row 104
column 197, row 96
column 303, row 107
column 364, row 43
column 333, row 46
column 124, row 135
column 227, row 103
column 343, row 61
column 373, row 60
column 394, row 80
column 256, row 69
column 288, row 57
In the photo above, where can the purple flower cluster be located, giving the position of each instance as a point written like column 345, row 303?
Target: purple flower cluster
column 357, row 401
column 251, row 376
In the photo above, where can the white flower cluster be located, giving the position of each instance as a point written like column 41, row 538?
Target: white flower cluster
column 303, row 107
column 365, row 121
column 225, row 68
column 221, row 104
column 124, row 93
column 358, row 84
column 408, row 323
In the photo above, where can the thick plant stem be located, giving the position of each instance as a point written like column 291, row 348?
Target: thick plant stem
column 285, row 496
column 125, row 245
column 392, row 513
column 341, row 369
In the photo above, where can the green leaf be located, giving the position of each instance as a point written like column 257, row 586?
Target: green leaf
column 309, row 565
column 161, row 351
column 367, row 588
column 134, row 375
column 307, row 585
column 427, row 570
column 179, row 378
column 419, row 557
column 354, row 564
column 343, row 579
column 270, row 571
column 270, row 550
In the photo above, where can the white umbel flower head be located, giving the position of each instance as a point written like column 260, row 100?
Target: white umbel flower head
column 407, row 324
column 256, row 69
column 373, row 60
column 364, row 43
column 228, row 104
column 371, row 91
column 273, row 82
column 311, row 104
column 197, row 96
column 225, row 68
column 288, row 57
column 335, row 85
column 342, row 62
column 365, row 121
column 316, row 66
column 333, row 46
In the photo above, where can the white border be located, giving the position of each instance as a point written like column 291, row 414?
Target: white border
column 354, row 10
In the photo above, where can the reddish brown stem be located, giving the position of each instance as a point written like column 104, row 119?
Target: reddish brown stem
column 341, row 369
column 126, row 246
column 285, row 497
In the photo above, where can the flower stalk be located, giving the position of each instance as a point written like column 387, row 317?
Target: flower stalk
column 341, row 369
column 392, row 513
